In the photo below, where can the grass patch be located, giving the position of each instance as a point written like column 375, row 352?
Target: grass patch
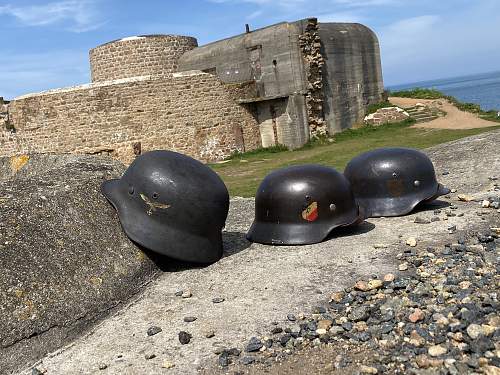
column 258, row 151
column 243, row 174
column 420, row 93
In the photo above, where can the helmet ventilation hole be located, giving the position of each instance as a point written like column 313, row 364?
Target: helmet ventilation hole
column 394, row 174
column 333, row 207
column 155, row 196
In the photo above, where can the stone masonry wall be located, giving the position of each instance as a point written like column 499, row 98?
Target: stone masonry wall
column 310, row 44
column 189, row 112
column 138, row 56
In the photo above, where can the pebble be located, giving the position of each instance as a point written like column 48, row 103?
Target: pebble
column 465, row 197
column 254, row 345
column 153, row 330
column 388, row 278
column 416, row 316
column 167, row 365
column 485, row 203
column 35, row 371
column 474, row 331
column 380, row 246
column 247, row 360
column 437, row 350
column 186, row 294
column 190, row 319
column 412, row 242
column 218, row 300
column 403, row 266
column 291, row 317
column 421, row 220
column 150, row 355
column 368, row 370
column 184, row 337
column 103, row 366
column 209, row 334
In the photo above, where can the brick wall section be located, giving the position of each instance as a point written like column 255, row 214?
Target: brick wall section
column 138, row 56
column 188, row 113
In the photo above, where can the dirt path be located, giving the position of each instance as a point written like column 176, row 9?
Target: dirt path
column 454, row 119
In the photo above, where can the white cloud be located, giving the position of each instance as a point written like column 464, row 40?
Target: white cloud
column 79, row 16
column 341, row 17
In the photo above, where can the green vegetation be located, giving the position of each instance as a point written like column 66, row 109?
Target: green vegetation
column 244, row 172
column 258, row 151
column 419, row 93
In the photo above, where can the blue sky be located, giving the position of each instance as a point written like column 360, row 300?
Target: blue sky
column 44, row 44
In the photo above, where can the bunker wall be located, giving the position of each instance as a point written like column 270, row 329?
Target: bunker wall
column 191, row 113
column 352, row 74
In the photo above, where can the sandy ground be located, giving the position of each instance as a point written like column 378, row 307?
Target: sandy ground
column 262, row 284
column 454, row 119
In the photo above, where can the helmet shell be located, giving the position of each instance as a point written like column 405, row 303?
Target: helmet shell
column 171, row 204
column 301, row 205
column 392, row 181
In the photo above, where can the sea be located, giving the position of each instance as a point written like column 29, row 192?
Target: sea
column 482, row 89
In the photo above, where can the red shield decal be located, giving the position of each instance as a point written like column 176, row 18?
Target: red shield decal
column 311, row 212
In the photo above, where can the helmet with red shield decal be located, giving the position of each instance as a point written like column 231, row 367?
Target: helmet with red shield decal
column 171, row 204
column 301, row 205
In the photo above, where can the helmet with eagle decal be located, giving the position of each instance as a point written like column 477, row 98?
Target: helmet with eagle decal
column 171, row 204
column 392, row 181
column 301, row 205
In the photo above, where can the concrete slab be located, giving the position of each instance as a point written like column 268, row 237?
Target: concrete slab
column 261, row 284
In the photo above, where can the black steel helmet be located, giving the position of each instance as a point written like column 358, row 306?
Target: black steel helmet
column 301, row 205
column 171, row 204
column 392, row 181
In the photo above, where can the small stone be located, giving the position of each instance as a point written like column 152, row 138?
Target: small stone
column 184, row 337
column 190, row 319
column 178, row 293
column 389, row 278
column 209, row 334
column 368, row 370
column 167, row 365
column 437, row 350
column 485, row 203
column 359, row 313
column 487, row 329
column 150, row 355
column 375, row 284
column 218, row 300
column 416, row 316
column 186, row 294
column 465, row 198
column 361, row 285
column 421, row 220
column 416, row 339
column 412, row 242
column 291, row 317
column 153, row 330
column 403, row 266
column 336, row 297
column 336, row 330
column 247, row 360
column 324, row 324
column 435, row 218
column 474, row 331
column 380, row 246
column 254, row 345
column 103, row 366
column 276, row 330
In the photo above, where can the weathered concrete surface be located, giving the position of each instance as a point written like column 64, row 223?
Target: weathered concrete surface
column 262, row 284
column 64, row 260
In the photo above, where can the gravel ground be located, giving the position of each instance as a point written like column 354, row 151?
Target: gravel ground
column 413, row 294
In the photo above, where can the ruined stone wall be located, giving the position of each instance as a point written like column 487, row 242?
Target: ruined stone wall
column 138, row 56
column 4, row 115
column 310, row 45
column 190, row 113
